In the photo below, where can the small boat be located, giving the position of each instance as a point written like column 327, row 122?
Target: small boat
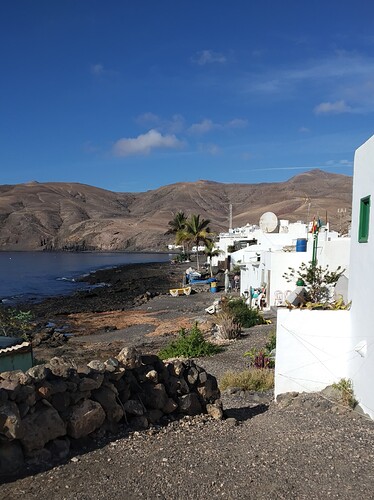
column 174, row 292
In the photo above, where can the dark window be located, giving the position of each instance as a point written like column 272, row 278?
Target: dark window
column 363, row 229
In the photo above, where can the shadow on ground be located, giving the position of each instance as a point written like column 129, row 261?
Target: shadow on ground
column 247, row 412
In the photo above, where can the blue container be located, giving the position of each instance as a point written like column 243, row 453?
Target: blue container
column 213, row 286
column 301, row 244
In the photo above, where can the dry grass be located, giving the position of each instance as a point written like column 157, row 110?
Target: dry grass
column 92, row 323
column 254, row 379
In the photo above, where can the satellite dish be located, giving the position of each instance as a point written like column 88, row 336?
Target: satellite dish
column 268, row 222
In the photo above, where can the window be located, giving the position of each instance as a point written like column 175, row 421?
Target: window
column 363, row 228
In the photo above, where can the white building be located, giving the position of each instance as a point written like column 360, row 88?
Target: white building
column 317, row 348
column 266, row 256
column 361, row 279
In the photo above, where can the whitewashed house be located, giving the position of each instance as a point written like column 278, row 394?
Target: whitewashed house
column 361, row 278
column 317, row 348
column 266, row 256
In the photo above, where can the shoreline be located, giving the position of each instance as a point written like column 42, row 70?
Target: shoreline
column 121, row 285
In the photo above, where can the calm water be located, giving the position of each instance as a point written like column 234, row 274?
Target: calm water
column 35, row 275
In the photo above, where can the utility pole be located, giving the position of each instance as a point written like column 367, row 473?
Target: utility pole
column 341, row 214
column 230, row 217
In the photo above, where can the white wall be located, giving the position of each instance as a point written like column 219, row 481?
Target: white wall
column 313, row 349
column 361, row 279
column 335, row 253
column 278, row 263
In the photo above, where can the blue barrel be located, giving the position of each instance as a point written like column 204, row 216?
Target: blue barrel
column 301, row 244
column 213, row 286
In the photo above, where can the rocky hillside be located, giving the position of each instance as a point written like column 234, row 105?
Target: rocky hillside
column 76, row 216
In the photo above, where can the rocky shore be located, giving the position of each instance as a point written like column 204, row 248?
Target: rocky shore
column 304, row 446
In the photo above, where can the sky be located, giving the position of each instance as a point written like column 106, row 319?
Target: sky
column 131, row 95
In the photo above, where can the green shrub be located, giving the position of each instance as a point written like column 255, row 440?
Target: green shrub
column 189, row 344
column 272, row 342
column 264, row 357
column 248, row 380
column 347, row 397
column 244, row 315
column 15, row 323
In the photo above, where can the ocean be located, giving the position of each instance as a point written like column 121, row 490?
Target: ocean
column 37, row 275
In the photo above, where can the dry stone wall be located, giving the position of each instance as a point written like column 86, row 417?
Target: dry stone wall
column 46, row 409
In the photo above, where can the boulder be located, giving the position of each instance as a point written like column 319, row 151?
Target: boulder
column 189, row 404
column 59, row 448
column 209, row 391
column 97, row 366
column 139, row 423
column 3, row 396
column 40, row 427
column 91, row 383
column 134, row 407
column 111, row 365
column 10, row 420
column 152, row 376
column 60, row 401
column 38, row 373
column 85, row 418
column 153, row 397
column 192, row 376
column 170, row 406
column 16, row 376
column 154, row 416
column 107, row 399
column 11, row 457
column 129, row 358
column 26, row 394
column 62, row 367
column 215, row 410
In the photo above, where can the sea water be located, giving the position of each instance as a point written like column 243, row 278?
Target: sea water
column 37, row 275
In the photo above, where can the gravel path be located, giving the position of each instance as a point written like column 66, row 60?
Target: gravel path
column 303, row 447
column 304, row 450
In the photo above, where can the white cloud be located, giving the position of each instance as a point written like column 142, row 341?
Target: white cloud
column 203, row 127
column 208, row 57
column 144, row 143
column 342, row 76
column 208, row 125
column 97, row 69
column 304, row 130
column 175, row 125
column 146, row 118
column 236, row 123
column 212, row 149
column 332, row 108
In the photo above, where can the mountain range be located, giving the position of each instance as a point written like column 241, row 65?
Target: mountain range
column 72, row 216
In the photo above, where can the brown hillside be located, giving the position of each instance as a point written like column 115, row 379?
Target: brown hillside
column 67, row 215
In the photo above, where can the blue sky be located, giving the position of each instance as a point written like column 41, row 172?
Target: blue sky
column 132, row 95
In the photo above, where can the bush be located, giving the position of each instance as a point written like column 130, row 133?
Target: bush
column 228, row 328
column 272, row 342
column 15, row 323
column 347, row 397
column 189, row 344
column 263, row 358
column 244, row 315
column 318, row 281
column 248, row 380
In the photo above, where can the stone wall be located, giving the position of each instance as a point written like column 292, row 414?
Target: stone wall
column 52, row 406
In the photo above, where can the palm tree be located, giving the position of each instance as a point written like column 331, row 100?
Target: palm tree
column 197, row 230
column 177, row 223
column 210, row 251
column 177, row 226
